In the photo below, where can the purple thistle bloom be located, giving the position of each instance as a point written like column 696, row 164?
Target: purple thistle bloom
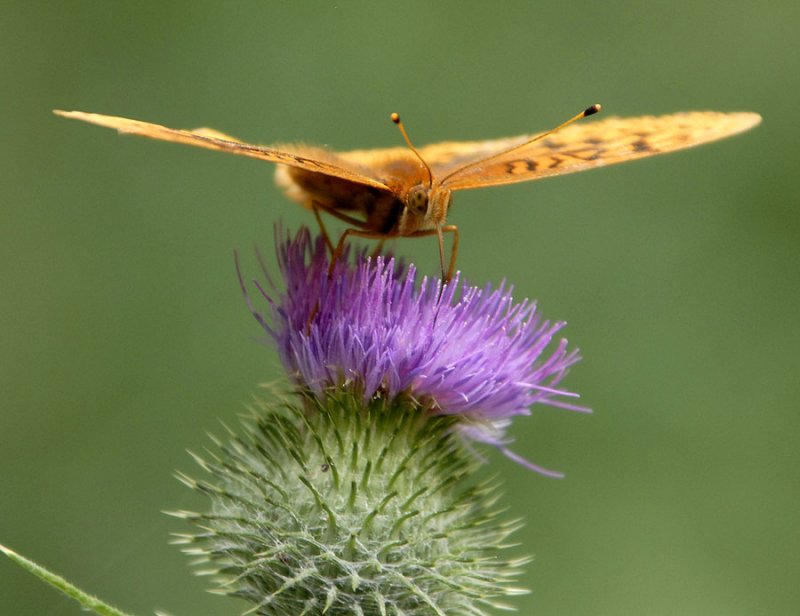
column 374, row 328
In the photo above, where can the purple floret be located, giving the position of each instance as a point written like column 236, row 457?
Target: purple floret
column 374, row 328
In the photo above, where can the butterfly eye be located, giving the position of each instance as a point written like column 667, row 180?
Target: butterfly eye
column 417, row 200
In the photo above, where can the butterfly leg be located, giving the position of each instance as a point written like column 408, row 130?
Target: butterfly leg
column 316, row 207
column 370, row 235
column 451, row 265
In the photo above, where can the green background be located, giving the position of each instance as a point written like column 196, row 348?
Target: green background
column 125, row 337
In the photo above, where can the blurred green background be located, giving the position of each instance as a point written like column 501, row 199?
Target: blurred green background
column 125, row 336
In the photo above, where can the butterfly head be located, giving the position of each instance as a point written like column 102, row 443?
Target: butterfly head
column 417, row 200
column 425, row 209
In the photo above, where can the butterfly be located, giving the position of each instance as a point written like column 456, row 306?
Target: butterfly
column 406, row 192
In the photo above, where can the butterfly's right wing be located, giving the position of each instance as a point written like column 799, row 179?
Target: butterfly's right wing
column 317, row 160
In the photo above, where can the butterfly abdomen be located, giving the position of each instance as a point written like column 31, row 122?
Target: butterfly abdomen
column 379, row 211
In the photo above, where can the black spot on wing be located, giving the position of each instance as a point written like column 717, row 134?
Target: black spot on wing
column 523, row 165
column 641, row 146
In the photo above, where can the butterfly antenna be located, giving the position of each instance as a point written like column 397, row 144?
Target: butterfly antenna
column 396, row 119
column 585, row 113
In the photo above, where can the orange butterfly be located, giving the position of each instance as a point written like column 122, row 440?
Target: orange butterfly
column 406, row 192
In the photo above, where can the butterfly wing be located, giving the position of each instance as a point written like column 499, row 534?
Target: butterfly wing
column 579, row 146
column 317, row 160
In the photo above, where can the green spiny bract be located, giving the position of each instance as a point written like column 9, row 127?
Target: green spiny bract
column 336, row 507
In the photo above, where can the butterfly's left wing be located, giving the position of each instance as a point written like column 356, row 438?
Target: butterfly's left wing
column 316, row 160
column 578, row 147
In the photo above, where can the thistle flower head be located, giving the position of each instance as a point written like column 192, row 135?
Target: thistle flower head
column 354, row 494
column 376, row 327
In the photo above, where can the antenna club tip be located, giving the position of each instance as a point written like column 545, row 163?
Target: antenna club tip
column 395, row 118
column 593, row 109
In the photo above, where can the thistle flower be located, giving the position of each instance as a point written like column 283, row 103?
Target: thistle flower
column 354, row 493
column 373, row 328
